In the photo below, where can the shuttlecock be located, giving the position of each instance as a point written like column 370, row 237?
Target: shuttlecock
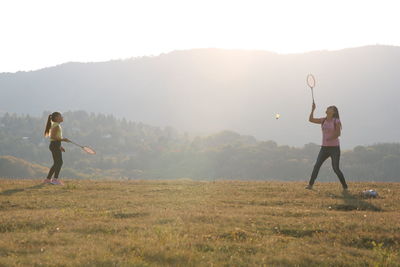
column 277, row 116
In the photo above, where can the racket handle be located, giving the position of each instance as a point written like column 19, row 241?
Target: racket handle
column 75, row 143
column 312, row 94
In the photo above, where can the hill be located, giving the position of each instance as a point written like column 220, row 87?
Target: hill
column 13, row 167
column 209, row 90
column 186, row 223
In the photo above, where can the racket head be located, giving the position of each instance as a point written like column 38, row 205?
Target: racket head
column 311, row 80
column 89, row 150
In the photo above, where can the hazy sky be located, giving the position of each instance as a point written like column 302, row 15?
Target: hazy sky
column 40, row 33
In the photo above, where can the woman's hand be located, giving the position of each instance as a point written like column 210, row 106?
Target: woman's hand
column 62, row 149
column 313, row 106
column 66, row 140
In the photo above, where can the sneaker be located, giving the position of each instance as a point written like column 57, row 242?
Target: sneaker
column 47, row 181
column 56, row 182
column 309, row 187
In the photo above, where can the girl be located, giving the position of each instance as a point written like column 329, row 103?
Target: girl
column 54, row 131
column 331, row 129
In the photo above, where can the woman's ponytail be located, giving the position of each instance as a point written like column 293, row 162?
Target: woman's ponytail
column 50, row 119
column 48, row 126
column 336, row 115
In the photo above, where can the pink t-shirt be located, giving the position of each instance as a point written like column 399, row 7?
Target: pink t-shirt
column 328, row 130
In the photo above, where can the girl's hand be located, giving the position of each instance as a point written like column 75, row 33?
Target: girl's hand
column 67, row 140
column 62, row 149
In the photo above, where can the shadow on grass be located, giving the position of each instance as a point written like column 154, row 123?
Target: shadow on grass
column 297, row 233
column 10, row 192
column 354, row 202
column 122, row 215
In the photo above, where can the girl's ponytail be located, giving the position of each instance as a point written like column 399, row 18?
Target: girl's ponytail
column 336, row 116
column 48, row 126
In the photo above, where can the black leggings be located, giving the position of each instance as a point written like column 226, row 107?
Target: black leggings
column 55, row 148
column 324, row 153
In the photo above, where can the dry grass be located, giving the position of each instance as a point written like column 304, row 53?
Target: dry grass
column 185, row 223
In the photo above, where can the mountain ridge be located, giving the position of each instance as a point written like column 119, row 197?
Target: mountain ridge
column 209, row 90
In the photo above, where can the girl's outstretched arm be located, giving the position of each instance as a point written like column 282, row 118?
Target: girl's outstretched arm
column 311, row 118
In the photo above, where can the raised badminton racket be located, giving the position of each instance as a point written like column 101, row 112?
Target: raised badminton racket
column 311, row 84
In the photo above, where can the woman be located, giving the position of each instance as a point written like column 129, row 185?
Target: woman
column 54, row 131
column 331, row 129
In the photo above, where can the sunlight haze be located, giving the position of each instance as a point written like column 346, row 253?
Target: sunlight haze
column 39, row 34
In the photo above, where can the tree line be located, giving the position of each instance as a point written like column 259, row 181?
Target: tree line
column 132, row 150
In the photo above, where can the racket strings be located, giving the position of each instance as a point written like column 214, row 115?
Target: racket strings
column 311, row 80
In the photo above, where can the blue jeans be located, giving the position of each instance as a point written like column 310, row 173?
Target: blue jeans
column 324, row 153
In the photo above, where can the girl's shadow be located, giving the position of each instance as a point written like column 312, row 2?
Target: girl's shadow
column 10, row 192
column 353, row 202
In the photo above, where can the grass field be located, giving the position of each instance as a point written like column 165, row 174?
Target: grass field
column 187, row 223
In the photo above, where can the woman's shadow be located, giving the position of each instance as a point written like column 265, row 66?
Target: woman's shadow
column 10, row 192
column 353, row 202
